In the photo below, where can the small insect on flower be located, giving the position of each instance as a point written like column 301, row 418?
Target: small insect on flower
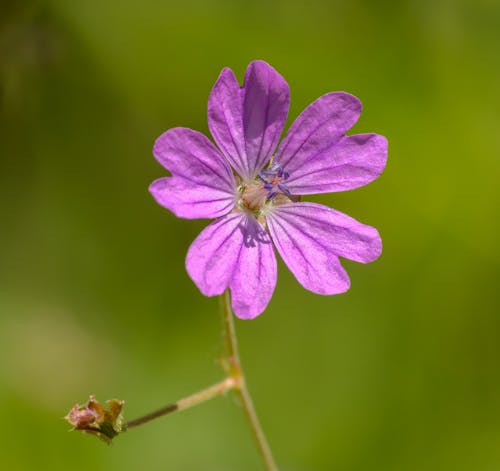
column 254, row 189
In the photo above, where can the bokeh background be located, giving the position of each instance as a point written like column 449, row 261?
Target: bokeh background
column 400, row 373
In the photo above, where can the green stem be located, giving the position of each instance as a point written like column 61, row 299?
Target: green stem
column 187, row 402
column 235, row 380
column 235, row 371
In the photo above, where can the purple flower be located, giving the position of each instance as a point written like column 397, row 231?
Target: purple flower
column 254, row 188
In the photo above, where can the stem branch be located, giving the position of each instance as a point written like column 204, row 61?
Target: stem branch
column 235, row 379
column 187, row 402
column 235, row 371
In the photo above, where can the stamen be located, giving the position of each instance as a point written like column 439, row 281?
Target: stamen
column 269, row 187
column 284, row 188
column 272, row 178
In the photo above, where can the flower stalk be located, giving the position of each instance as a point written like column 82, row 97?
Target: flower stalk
column 233, row 368
column 107, row 422
column 235, row 379
column 186, row 403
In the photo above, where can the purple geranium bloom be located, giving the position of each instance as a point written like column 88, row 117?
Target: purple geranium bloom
column 254, row 188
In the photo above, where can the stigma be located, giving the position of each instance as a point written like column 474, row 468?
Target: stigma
column 273, row 178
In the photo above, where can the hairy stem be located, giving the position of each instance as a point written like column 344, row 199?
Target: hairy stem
column 187, row 402
column 235, row 371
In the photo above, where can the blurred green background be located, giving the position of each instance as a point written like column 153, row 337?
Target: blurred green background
column 400, row 373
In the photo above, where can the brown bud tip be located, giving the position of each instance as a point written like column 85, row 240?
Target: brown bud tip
column 105, row 422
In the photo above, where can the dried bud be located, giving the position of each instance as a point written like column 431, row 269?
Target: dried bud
column 93, row 418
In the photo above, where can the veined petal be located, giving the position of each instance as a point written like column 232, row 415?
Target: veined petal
column 225, row 119
column 191, row 201
column 212, row 257
column 247, row 122
column 189, row 154
column 318, row 127
column 235, row 252
column 202, row 183
column 310, row 238
column 265, row 108
column 352, row 162
column 254, row 278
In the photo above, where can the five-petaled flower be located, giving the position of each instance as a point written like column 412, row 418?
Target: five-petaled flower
column 253, row 188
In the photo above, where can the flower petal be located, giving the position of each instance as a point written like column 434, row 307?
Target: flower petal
column 212, row 257
column 310, row 238
column 352, row 162
column 254, row 279
column 202, row 184
column 235, row 252
column 191, row 201
column 265, row 106
column 247, row 122
column 318, row 127
column 225, row 119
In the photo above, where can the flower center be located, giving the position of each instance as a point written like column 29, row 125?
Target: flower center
column 267, row 190
column 272, row 178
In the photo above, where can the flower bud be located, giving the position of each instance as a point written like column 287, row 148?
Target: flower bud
column 95, row 419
